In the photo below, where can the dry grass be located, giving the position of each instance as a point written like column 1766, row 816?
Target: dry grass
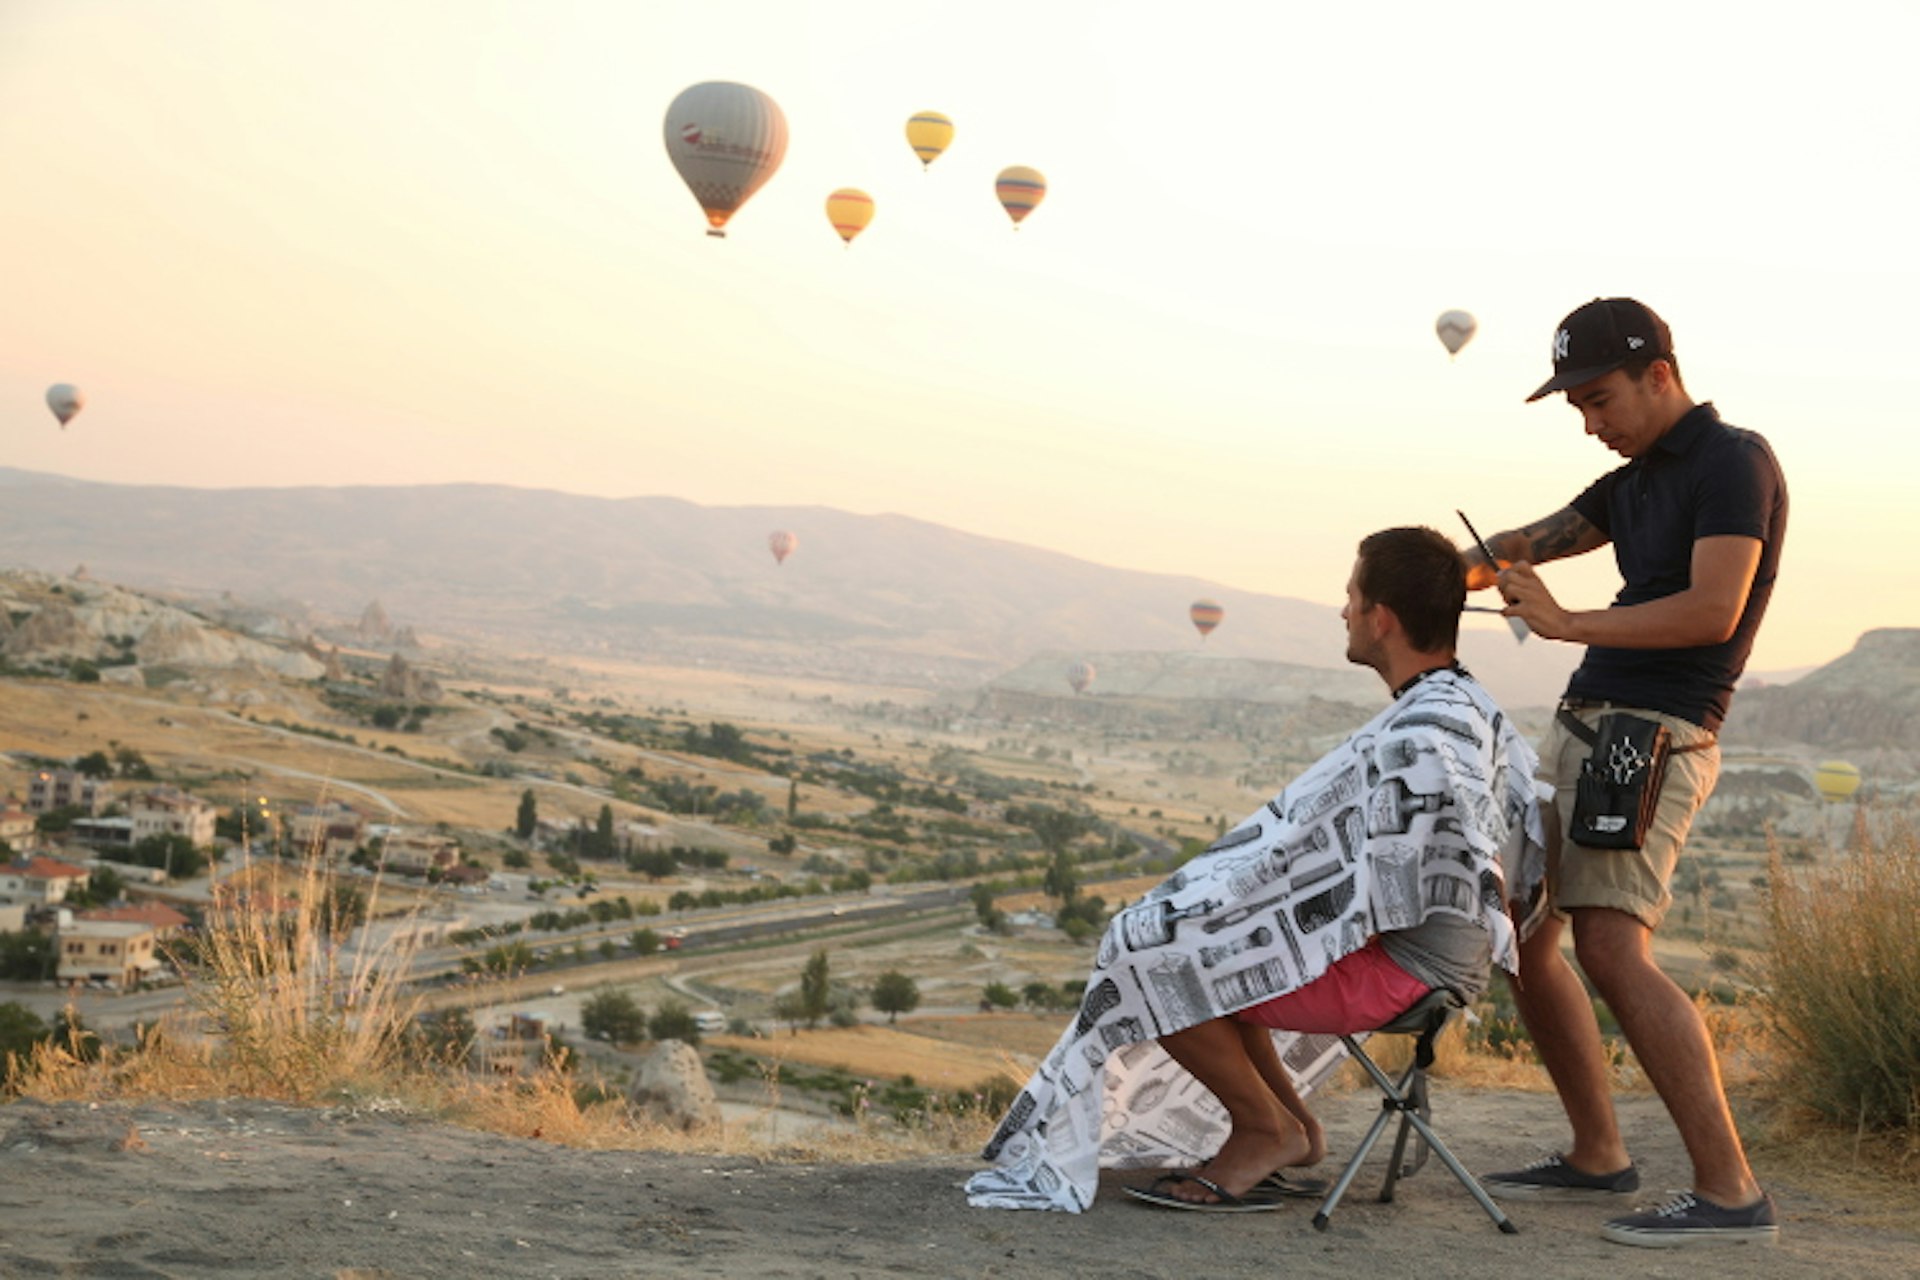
column 886, row 1053
column 1842, row 995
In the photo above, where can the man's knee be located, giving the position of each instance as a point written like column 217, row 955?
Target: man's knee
column 1612, row 946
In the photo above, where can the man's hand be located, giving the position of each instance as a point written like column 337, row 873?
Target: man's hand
column 1529, row 600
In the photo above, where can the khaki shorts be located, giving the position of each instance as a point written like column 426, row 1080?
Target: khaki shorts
column 1630, row 880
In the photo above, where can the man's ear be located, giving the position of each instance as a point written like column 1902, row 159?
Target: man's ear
column 1385, row 622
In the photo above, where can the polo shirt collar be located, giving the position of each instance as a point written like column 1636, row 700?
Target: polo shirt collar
column 1684, row 434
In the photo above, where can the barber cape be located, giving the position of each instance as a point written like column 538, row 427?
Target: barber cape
column 1428, row 809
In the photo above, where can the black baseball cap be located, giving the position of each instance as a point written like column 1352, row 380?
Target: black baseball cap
column 1600, row 337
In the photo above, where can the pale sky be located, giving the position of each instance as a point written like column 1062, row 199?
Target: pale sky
column 385, row 242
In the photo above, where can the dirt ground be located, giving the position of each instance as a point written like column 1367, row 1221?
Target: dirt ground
column 256, row 1189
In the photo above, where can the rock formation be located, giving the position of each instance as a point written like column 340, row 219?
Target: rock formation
column 1867, row 701
column 407, row 683
column 374, row 626
column 672, row 1088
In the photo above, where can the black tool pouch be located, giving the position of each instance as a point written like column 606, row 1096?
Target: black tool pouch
column 1619, row 782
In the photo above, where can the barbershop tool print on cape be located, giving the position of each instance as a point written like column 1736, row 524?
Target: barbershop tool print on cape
column 1429, row 808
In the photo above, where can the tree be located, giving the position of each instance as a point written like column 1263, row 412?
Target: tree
column 94, row 764
column 613, row 1016
column 175, row 854
column 1062, row 881
column 894, row 993
column 816, row 994
column 793, row 799
column 133, row 764
column 20, row 1029
column 789, row 1009
column 998, row 995
column 345, row 910
column 103, row 886
column 645, row 941
column 447, row 1035
column 673, row 1021
column 603, row 833
column 527, row 820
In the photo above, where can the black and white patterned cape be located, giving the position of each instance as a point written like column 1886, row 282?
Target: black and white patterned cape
column 1428, row 809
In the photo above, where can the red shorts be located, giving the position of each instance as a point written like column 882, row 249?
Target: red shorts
column 1361, row 992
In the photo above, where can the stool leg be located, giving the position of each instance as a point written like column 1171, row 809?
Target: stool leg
column 1467, row 1180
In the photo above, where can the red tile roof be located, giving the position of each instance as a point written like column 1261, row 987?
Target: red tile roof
column 44, row 868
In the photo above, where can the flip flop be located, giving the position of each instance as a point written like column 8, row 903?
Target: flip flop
column 1303, row 1189
column 1259, row 1198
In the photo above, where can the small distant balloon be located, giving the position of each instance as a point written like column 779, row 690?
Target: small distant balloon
column 1206, row 615
column 1020, row 190
column 1836, row 779
column 65, row 400
column 726, row 140
column 782, row 544
column 1080, row 675
column 850, row 210
column 1456, row 330
column 929, row 133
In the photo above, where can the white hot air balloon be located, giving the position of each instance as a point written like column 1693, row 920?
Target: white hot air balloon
column 65, row 400
column 782, row 542
column 1456, row 330
column 726, row 140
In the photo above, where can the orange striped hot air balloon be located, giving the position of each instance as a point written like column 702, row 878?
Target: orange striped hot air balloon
column 1020, row 190
column 850, row 210
column 929, row 133
column 1206, row 615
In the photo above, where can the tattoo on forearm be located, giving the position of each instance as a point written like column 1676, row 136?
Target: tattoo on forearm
column 1560, row 534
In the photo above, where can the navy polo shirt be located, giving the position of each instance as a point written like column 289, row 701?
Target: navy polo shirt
column 1702, row 479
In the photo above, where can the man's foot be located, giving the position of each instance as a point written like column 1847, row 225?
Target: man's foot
column 1688, row 1220
column 1552, row 1178
column 1241, row 1164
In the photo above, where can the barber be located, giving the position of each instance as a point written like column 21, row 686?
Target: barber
column 1697, row 518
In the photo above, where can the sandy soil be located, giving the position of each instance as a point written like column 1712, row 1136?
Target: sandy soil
column 256, row 1189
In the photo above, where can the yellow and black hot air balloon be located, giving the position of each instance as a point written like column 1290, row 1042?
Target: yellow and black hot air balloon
column 1836, row 780
column 928, row 133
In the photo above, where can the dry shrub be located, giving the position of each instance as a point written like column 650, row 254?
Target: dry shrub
column 1841, row 991
column 277, row 1006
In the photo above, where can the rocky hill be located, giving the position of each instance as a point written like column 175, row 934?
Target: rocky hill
column 881, row 597
column 53, row 623
column 1864, row 705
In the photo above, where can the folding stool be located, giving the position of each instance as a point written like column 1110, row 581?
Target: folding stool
column 1408, row 1097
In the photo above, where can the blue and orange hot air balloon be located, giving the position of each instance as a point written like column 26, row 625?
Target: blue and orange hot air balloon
column 1020, row 190
column 928, row 133
column 1206, row 615
column 1080, row 675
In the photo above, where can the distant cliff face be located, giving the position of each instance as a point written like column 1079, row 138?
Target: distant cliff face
column 61, row 620
column 1865, row 704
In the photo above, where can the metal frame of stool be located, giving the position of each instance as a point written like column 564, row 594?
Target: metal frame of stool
column 1407, row 1097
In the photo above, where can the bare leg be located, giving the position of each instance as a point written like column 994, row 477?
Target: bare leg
column 1672, row 1044
column 1554, row 1005
column 1266, row 1060
column 1265, row 1135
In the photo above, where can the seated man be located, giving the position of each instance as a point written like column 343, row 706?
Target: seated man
column 1373, row 879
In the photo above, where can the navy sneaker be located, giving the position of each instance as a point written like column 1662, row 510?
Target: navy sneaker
column 1688, row 1220
column 1552, row 1178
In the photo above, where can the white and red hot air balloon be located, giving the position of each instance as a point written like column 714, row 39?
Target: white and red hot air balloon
column 1080, row 675
column 65, row 400
column 726, row 140
column 781, row 543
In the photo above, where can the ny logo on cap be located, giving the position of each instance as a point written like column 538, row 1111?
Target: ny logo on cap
column 1560, row 342
column 1634, row 344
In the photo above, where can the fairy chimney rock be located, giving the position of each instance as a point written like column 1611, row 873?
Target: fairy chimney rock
column 374, row 624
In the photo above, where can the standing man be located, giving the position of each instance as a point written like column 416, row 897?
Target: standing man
column 1697, row 518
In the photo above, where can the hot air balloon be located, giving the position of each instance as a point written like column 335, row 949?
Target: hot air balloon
column 1836, row 779
column 65, row 400
column 1206, row 615
column 850, row 210
column 726, row 140
column 928, row 133
column 1456, row 330
column 782, row 544
column 1080, row 676
column 1020, row 190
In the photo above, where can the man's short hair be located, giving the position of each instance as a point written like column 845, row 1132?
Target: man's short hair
column 1637, row 367
column 1419, row 575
